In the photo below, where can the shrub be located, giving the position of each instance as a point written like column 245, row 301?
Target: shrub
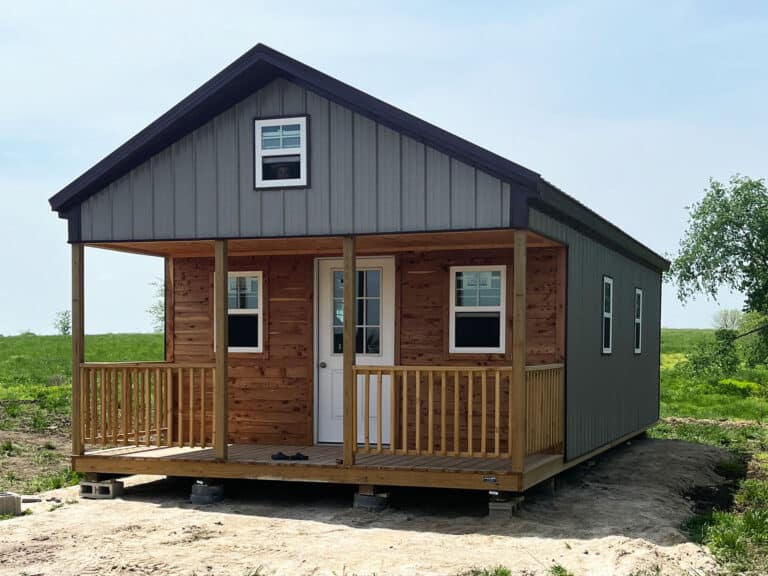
column 741, row 388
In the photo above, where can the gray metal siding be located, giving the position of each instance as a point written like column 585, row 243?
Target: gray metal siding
column 364, row 178
column 607, row 396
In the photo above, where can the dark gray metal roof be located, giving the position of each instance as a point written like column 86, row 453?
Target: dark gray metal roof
column 261, row 65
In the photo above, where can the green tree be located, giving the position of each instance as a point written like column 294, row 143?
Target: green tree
column 157, row 309
column 63, row 322
column 726, row 243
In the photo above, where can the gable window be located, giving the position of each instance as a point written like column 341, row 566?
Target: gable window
column 607, row 314
column 281, row 152
column 244, row 301
column 477, row 309
column 638, row 320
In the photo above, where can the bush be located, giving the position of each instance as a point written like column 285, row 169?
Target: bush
column 741, row 388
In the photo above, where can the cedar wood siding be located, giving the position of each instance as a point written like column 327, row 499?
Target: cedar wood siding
column 364, row 178
column 271, row 393
column 607, row 396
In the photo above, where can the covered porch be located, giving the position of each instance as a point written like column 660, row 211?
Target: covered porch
column 482, row 422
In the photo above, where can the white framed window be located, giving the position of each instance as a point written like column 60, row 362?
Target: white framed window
column 607, row 315
column 280, row 152
column 638, row 320
column 368, row 312
column 477, row 309
column 244, row 309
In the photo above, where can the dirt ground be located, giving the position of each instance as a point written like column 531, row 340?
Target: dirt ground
column 32, row 456
column 620, row 515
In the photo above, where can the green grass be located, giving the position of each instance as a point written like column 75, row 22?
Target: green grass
column 558, row 570
column 495, row 571
column 682, row 341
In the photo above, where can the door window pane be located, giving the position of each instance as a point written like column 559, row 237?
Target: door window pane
column 368, row 312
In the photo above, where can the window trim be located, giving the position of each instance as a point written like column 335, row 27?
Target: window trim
column 249, row 311
column 303, row 151
column 637, row 337
column 607, row 280
column 501, row 309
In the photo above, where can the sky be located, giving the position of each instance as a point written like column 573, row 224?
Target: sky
column 629, row 107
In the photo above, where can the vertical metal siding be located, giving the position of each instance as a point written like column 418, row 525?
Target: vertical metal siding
column 608, row 396
column 364, row 178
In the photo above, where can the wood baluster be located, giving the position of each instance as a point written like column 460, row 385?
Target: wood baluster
column 103, row 402
column 404, row 376
column 379, row 403
column 430, row 415
column 470, row 409
column 456, row 444
column 180, row 407
column 367, row 410
column 201, row 375
column 509, row 414
column 392, row 411
column 147, row 407
column 191, row 382
column 484, row 414
column 443, row 411
column 169, row 407
column 497, row 415
column 418, row 411
column 136, row 405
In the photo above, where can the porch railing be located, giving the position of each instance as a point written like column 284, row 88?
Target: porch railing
column 147, row 404
column 454, row 411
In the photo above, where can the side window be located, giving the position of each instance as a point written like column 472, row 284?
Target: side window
column 477, row 309
column 244, row 302
column 638, row 321
column 607, row 315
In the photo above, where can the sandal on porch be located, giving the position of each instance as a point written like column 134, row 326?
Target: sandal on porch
column 280, row 456
column 299, row 456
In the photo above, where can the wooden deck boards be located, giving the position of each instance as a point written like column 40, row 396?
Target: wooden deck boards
column 322, row 455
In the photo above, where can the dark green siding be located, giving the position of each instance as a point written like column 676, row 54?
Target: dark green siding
column 607, row 396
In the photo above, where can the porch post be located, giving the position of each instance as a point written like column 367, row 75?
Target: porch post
column 220, row 416
column 517, row 395
column 350, row 284
column 78, row 330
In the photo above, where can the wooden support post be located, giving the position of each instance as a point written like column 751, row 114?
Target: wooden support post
column 78, row 331
column 518, row 401
column 221, row 415
column 350, row 290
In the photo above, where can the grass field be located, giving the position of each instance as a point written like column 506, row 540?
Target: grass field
column 35, row 419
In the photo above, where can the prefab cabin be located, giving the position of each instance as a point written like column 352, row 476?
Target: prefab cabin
column 350, row 283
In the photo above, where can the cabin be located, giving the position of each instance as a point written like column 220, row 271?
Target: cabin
column 354, row 295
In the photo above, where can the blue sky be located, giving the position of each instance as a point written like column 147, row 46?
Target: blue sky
column 629, row 107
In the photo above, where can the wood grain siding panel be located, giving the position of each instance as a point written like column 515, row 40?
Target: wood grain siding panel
column 608, row 396
column 250, row 200
column 388, row 178
column 342, row 174
column 141, row 186
column 270, row 394
column 206, row 182
column 185, row 205
column 162, row 185
column 365, row 184
column 227, row 180
column 438, row 190
column 414, row 194
column 364, row 178
column 319, row 194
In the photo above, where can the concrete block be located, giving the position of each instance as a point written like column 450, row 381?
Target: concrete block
column 203, row 493
column 502, row 506
column 106, row 490
column 10, row 503
column 372, row 502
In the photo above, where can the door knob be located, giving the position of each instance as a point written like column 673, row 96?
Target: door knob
column 323, row 365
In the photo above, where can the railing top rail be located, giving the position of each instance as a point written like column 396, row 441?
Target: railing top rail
column 150, row 364
column 464, row 368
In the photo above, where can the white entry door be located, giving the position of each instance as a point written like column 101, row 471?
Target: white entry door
column 375, row 343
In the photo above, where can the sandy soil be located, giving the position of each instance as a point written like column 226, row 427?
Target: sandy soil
column 619, row 515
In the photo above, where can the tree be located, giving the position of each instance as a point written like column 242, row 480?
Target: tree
column 726, row 243
column 727, row 319
column 157, row 309
column 63, row 322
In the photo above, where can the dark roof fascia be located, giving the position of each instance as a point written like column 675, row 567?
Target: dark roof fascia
column 254, row 69
column 561, row 206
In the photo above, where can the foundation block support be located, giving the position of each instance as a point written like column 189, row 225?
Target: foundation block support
column 206, row 492
column 104, row 490
column 502, row 505
column 369, row 497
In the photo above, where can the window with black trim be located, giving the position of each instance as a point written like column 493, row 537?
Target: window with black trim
column 477, row 309
column 244, row 309
column 638, row 320
column 607, row 314
column 281, row 152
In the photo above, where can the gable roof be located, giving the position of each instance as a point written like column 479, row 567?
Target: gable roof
column 253, row 70
column 261, row 65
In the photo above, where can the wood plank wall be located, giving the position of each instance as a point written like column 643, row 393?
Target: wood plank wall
column 270, row 394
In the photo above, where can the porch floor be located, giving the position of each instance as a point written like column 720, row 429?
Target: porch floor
column 255, row 462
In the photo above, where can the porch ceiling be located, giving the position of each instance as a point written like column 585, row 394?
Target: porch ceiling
column 332, row 245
